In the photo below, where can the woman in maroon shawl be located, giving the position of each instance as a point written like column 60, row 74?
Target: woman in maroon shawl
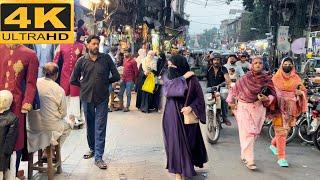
column 183, row 143
column 251, row 99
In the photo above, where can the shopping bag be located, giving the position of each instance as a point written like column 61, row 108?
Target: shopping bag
column 149, row 84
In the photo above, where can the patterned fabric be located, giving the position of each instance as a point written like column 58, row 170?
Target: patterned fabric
column 290, row 105
column 69, row 53
column 250, row 85
column 18, row 65
column 285, row 82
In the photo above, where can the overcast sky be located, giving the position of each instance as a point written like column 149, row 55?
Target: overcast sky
column 202, row 18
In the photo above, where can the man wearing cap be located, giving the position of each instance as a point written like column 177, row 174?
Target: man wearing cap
column 216, row 75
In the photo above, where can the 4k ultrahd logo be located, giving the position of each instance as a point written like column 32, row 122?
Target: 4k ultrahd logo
column 36, row 21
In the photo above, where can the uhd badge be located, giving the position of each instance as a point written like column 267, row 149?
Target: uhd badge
column 36, row 21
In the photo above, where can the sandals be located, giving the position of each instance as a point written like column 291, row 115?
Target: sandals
column 227, row 122
column 251, row 166
column 244, row 161
column 101, row 164
column 88, row 155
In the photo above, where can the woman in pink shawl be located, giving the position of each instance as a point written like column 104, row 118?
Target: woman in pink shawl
column 292, row 101
column 251, row 99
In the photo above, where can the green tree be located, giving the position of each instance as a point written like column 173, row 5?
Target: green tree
column 255, row 22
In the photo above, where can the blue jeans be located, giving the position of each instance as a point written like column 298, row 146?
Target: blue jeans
column 126, row 86
column 96, row 119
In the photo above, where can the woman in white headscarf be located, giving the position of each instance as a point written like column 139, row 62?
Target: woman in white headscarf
column 142, row 54
column 149, row 63
column 144, row 99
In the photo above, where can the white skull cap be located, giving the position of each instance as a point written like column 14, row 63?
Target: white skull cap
column 6, row 99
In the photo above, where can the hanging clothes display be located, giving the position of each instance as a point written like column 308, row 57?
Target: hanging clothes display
column 69, row 54
column 45, row 54
column 18, row 65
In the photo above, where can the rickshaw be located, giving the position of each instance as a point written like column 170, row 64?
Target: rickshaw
column 198, row 63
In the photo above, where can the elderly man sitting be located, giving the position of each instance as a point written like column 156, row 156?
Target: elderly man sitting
column 50, row 119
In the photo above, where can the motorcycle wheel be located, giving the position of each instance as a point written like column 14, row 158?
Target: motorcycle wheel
column 292, row 133
column 316, row 138
column 303, row 131
column 213, row 127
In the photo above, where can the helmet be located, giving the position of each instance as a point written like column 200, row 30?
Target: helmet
column 215, row 56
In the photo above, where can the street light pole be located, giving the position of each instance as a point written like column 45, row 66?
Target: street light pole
column 310, row 23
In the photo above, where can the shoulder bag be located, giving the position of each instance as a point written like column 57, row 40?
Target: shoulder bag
column 190, row 118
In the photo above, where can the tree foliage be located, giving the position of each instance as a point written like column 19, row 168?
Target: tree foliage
column 256, row 18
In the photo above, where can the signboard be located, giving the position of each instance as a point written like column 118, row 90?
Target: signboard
column 283, row 44
column 37, row 22
column 298, row 46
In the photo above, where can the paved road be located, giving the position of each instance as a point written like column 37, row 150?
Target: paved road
column 134, row 150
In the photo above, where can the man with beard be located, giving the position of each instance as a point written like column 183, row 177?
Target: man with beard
column 232, row 59
column 216, row 75
column 94, row 69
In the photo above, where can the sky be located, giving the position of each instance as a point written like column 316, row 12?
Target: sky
column 202, row 17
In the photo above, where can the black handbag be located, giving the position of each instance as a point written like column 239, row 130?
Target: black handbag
column 265, row 91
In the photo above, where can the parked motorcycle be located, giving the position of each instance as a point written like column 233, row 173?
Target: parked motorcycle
column 214, row 112
column 291, row 135
column 316, row 137
column 305, row 125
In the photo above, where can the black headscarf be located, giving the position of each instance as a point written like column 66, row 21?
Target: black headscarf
column 182, row 67
column 161, row 64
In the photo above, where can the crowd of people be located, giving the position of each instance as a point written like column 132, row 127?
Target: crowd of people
column 80, row 78
column 257, row 94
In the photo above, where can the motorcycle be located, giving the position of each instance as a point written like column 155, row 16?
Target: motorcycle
column 306, row 123
column 316, row 137
column 291, row 135
column 214, row 112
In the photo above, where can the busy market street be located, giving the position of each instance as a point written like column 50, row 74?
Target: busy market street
column 134, row 150
column 160, row 89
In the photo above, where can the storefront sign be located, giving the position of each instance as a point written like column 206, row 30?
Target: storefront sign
column 37, row 22
column 298, row 46
column 283, row 44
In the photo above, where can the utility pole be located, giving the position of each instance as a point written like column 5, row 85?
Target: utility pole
column 206, row 4
column 309, row 24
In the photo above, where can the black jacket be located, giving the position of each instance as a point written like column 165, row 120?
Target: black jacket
column 8, row 137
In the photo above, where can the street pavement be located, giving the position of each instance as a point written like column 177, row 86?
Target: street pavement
column 134, row 150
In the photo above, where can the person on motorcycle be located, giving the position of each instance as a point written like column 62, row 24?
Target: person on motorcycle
column 216, row 75
column 243, row 63
column 231, row 64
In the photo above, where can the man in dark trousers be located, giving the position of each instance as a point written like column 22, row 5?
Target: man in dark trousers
column 92, row 75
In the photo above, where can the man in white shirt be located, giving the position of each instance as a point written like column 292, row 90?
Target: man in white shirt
column 53, row 105
column 232, row 59
column 243, row 63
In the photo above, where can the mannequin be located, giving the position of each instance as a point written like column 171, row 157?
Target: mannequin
column 18, row 68
column 69, row 54
column 8, row 135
